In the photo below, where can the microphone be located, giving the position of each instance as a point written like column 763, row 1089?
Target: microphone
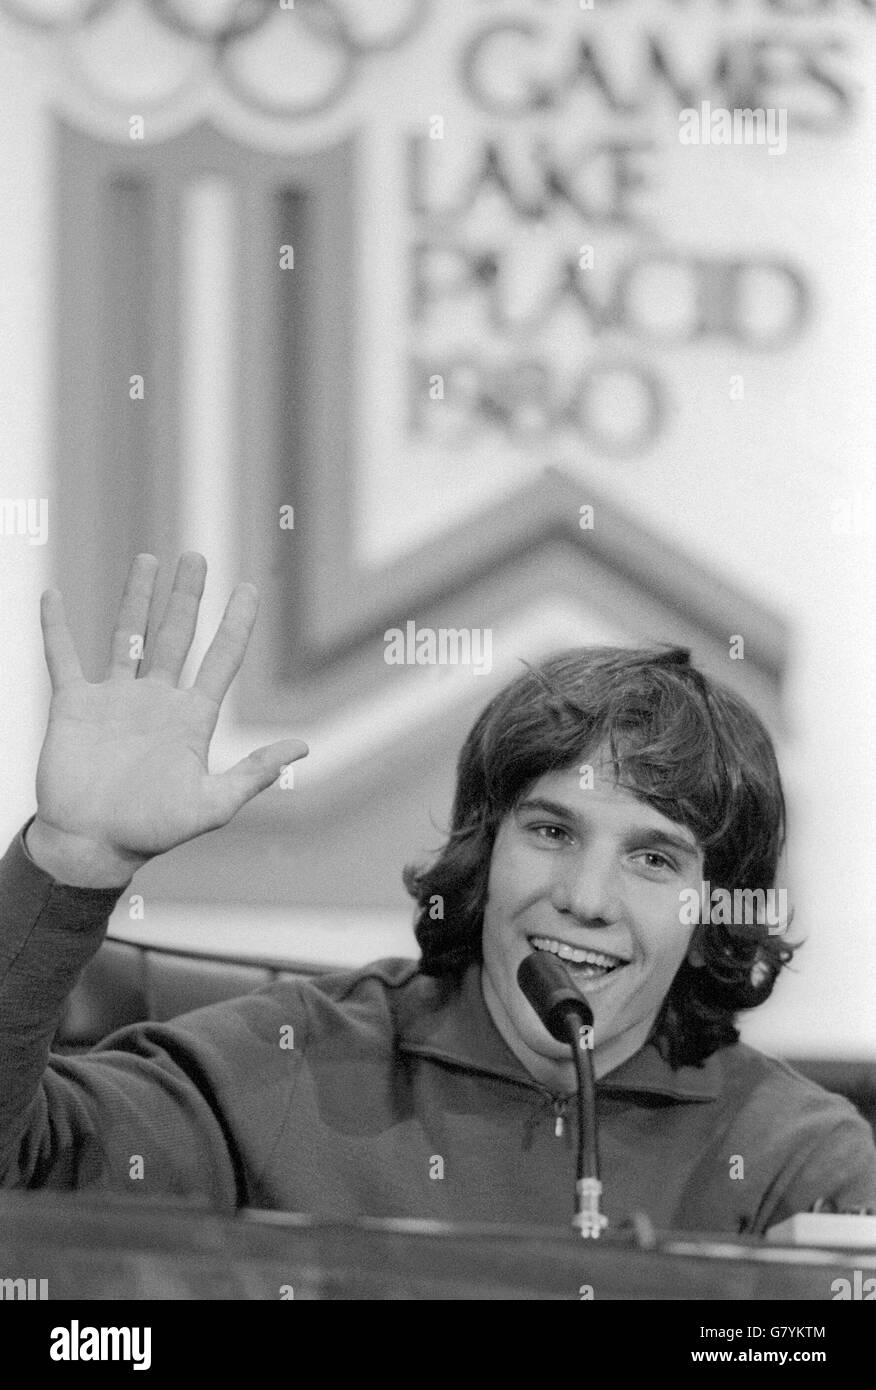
column 551, row 993
column 568, row 1017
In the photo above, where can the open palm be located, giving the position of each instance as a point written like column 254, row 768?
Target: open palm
column 124, row 762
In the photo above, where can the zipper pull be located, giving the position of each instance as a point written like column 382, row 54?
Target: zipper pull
column 560, row 1120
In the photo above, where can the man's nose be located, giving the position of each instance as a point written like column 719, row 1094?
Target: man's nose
column 587, row 889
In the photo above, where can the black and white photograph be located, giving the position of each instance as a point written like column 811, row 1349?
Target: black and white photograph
column 436, row 603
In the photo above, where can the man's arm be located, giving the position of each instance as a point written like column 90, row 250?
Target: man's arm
column 122, row 777
column 190, row 1108
column 834, row 1163
column 48, row 933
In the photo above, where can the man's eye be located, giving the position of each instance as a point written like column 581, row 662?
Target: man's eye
column 662, row 860
column 549, row 832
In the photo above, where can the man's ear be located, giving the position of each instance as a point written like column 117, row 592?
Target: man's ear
column 695, row 955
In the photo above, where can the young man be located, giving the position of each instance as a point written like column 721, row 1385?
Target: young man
column 592, row 794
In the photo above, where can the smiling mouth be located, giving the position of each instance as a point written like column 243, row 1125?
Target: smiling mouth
column 583, row 963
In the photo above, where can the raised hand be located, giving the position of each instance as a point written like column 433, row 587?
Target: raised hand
column 122, row 775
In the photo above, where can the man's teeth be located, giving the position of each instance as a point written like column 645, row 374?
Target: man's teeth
column 576, row 955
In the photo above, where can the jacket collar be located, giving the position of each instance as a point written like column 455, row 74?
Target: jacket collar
column 455, row 1026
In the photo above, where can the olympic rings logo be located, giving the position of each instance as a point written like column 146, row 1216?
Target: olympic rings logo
column 331, row 23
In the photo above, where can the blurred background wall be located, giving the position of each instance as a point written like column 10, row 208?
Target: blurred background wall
column 424, row 313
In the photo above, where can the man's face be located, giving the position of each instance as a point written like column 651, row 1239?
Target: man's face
column 576, row 871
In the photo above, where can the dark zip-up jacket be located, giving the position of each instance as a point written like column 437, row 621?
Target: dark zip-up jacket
column 383, row 1092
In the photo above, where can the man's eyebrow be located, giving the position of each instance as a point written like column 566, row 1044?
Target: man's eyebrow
column 650, row 836
column 646, row 836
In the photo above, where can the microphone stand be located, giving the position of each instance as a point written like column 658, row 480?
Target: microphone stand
column 588, row 1219
column 568, row 1017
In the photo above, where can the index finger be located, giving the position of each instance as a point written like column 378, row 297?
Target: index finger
column 224, row 656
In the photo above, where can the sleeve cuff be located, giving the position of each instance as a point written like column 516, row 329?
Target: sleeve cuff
column 32, row 881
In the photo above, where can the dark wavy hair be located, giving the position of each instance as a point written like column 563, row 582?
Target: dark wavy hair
column 680, row 741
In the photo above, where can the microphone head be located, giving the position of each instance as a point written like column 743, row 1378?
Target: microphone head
column 551, row 992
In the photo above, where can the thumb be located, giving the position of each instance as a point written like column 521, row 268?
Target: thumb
column 256, row 772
